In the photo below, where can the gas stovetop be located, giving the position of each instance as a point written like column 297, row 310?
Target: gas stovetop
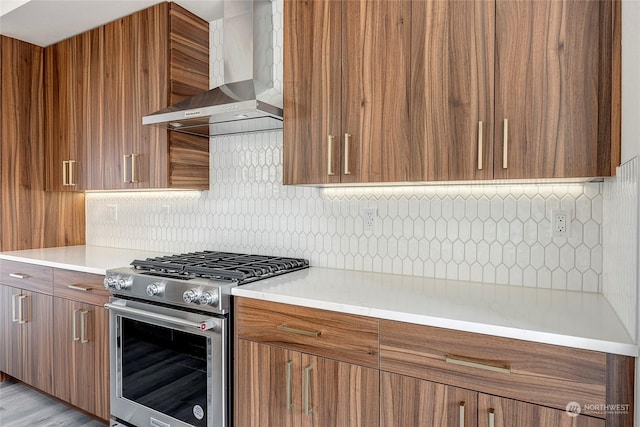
column 197, row 280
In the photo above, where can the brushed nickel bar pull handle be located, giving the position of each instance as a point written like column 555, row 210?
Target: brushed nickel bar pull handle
column 19, row 275
column 78, row 288
column 83, row 326
column 65, row 179
column 70, row 179
column 21, row 299
column 204, row 325
column 134, row 170
column 124, row 168
column 74, row 328
column 492, row 416
column 330, row 140
column 14, row 318
column 470, row 364
column 462, row 404
column 347, row 143
column 289, row 401
column 505, row 143
column 307, row 391
column 285, row 328
column 480, row 150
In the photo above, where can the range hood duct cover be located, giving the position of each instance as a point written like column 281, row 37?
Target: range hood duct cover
column 247, row 101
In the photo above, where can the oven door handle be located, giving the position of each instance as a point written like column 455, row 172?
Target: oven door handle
column 203, row 325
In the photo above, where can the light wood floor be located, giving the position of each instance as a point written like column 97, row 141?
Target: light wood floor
column 21, row 406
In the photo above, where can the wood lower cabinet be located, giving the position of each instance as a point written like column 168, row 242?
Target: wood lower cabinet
column 26, row 336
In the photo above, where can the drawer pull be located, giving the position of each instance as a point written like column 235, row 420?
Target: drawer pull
column 289, row 401
column 462, row 404
column 285, row 328
column 307, row 391
column 492, row 416
column 457, row 360
column 79, row 288
column 19, row 275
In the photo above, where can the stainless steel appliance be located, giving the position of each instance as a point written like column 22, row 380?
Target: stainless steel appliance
column 170, row 335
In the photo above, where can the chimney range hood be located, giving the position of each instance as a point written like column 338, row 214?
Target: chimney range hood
column 247, row 101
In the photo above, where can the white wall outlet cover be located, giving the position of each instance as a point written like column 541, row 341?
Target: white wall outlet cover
column 112, row 213
column 370, row 217
column 560, row 223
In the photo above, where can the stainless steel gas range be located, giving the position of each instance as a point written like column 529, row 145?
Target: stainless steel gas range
column 170, row 336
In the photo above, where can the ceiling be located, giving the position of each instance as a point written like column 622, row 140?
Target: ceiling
column 45, row 22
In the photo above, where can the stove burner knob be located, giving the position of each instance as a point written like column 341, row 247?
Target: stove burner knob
column 109, row 282
column 123, row 283
column 154, row 289
column 190, row 296
column 208, row 298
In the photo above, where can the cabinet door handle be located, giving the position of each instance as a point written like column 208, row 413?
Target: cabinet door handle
column 307, row 390
column 134, row 169
column 492, row 421
column 124, row 168
column 480, row 149
column 347, row 143
column 70, row 181
column 462, row 404
column 74, row 326
column 78, row 288
column 505, row 143
column 289, row 401
column 83, row 326
column 65, row 176
column 21, row 299
column 330, row 140
column 14, row 317
column 285, row 328
column 19, row 275
column 500, row 367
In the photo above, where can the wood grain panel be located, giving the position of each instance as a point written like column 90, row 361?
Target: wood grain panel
column 340, row 394
column 614, row 74
column 37, row 344
column 37, row 278
column 548, row 86
column 620, row 389
column 96, row 293
column 508, row 413
column 406, row 401
column 188, row 161
column 540, row 373
column 452, row 83
column 312, row 91
column 261, row 383
column 344, row 337
column 376, row 52
column 64, row 219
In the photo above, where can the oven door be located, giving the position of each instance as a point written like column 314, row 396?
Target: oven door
column 169, row 367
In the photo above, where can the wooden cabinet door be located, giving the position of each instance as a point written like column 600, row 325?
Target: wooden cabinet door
column 407, row 401
column 339, row 394
column 452, row 67
column 508, row 413
column 267, row 386
column 312, row 92
column 376, row 40
column 81, row 356
column 548, row 82
column 37, row 345
column 10, row 333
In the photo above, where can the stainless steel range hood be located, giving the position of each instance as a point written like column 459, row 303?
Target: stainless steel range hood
column 247, row 101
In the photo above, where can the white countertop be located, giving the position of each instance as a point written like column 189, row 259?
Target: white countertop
column 88, row 259
column 572, row 319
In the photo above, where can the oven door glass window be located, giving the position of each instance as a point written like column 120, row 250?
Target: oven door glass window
column 165, row 369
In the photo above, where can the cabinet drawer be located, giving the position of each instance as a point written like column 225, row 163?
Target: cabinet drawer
column 344, row 337
column 78, row 286
column 27, row 276
column 538, row 373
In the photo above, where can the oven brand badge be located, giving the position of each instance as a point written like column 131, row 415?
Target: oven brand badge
column 198, row 412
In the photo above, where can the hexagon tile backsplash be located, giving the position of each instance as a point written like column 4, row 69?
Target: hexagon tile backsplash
column 490, row 233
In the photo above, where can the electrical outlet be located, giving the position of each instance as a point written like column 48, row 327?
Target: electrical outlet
column 112, row 212
column 164, row 215
column 560, row 222
column 370, row 218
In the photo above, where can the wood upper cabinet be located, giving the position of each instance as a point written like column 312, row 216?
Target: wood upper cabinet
column 346, row 84
column 553, row 94
column 102, row 82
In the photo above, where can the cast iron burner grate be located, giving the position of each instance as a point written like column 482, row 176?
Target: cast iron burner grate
column 243, row 268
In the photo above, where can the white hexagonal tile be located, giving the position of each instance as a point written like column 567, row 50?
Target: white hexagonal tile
column 591, row 232
column 559, row 279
